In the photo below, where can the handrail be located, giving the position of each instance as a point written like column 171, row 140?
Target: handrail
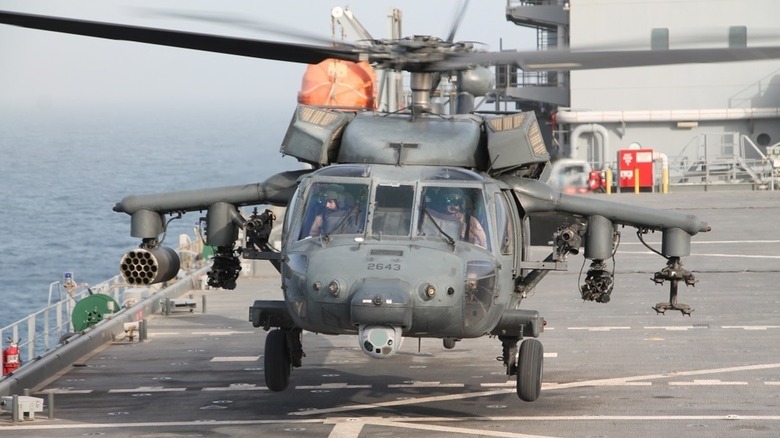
column 46, row 329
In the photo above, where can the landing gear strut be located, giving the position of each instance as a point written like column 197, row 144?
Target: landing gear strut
column 674, row 273
column 526, row 364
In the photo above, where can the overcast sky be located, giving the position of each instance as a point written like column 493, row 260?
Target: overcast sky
column 50, row 70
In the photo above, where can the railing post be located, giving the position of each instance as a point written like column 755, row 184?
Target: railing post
column 46, row 328
column 59, row 320
column 51, row 405
column 69, row 313
column 15, row 414
column 665, row 180
column 141, row 330
column 30, row 338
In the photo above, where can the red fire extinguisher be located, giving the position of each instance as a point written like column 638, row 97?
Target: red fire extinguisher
column 11, row 357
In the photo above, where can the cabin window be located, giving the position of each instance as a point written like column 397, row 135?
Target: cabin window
column 505, row 230
column 659, row 38
column 737, row 36
column 393, row 210
column 456, row 213
column 335, row 208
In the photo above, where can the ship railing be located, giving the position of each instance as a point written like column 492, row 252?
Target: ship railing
column 47, row 329
column 718, row 158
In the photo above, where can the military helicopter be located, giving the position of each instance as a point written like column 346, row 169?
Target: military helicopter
column 407, row 224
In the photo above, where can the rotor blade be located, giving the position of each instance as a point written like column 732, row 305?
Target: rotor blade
column 238, row 22
column 457, row 20
column 290, row 52
column 568, row 60
column 694, row 37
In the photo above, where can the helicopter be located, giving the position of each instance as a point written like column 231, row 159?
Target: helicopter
column 409, row 223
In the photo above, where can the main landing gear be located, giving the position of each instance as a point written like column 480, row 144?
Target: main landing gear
column 283, row 352
column 526, row 364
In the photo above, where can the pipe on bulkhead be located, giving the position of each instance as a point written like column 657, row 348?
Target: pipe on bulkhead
column 595, row 129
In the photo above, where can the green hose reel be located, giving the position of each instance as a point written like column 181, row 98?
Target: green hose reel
column 90, row 310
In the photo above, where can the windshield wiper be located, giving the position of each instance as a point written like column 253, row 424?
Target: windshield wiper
column 442, row 233
column 352, row 213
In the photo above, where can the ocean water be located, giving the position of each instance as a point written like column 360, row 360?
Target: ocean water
column 62, row 171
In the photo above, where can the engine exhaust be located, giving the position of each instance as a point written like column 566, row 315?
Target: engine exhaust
column 142, row 267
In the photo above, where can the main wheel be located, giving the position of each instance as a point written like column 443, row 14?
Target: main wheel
column 277, row 361
column 529, row 370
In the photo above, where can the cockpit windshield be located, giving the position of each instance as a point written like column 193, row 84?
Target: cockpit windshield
column 455, row 213
column 452, row 213
column 335, row 209
column 393, row 210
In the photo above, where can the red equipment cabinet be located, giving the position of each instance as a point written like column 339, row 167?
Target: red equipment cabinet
column 630, row 160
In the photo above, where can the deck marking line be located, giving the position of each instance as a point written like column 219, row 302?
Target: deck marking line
column 346, row 429
column 426, row 385
column 585, row 383
column 146, row 389
column 222, row 333
column 67, row 391
column 599, row 329
column 743, row 256
column 448, row 429
column 706, row 242
column 333, row 386
column 751, row 327
column 161, row 424
column 235, row 358
column 680, row 328
column 402, row 402
column 705, row 382
column 236, row 387
column 572, row 418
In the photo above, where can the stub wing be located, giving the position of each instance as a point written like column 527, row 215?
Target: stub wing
column 596, row 231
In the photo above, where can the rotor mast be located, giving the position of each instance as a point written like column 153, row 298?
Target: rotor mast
column 421, row 84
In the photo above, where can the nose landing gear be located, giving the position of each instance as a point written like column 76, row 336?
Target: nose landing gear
column 526, row 364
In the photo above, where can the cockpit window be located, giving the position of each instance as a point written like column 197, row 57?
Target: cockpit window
column 335, row 209
column 393, row 210
column 456, row 213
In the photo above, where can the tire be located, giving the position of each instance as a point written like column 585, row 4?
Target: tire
column 449, row 343
column 529, row 370
column 277, row 361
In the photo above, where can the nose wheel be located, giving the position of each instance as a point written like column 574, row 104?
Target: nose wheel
column 529, row 370
column 525, row 364
column 283, row 351
column 277, row 361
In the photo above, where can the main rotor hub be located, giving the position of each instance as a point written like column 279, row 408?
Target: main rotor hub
column 419, row 53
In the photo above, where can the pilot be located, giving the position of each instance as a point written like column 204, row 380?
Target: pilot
column 455, row 207
column 331, row 206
